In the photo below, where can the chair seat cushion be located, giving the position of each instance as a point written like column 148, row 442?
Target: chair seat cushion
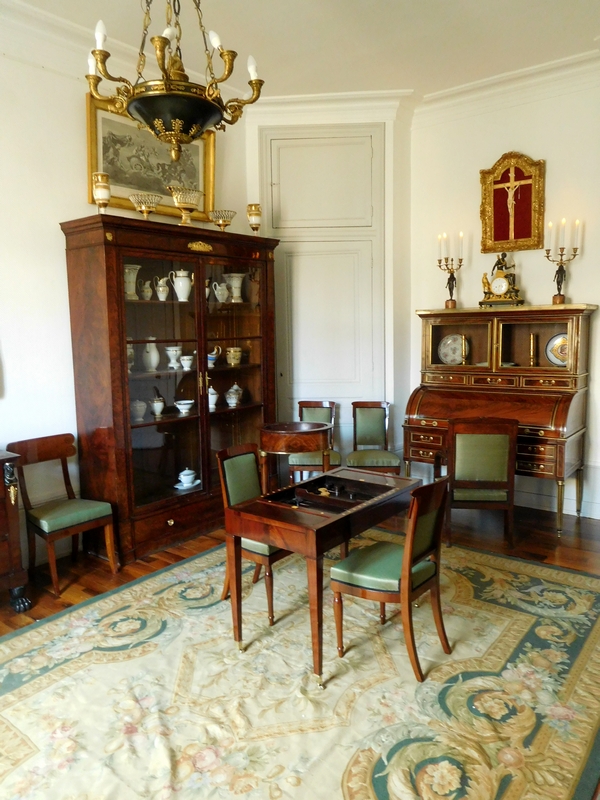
column 480, row 495
column 58, row 514
column 314, row 459
column 372, row 458
column 379, row 567
column 259, row 547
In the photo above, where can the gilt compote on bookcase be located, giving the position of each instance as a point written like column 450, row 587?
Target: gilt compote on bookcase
column 127, row 352
column 528, row 363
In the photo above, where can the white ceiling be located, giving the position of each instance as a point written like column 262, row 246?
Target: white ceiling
column 316, row 46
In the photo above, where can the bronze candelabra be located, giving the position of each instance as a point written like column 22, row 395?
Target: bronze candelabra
column 561, row 273
column 447, row 265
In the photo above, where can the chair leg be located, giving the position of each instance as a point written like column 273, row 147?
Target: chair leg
column 338, row 613
column 269, row 590
column 409, row 638
column 344, row 550
column 225, row 592
column 436, row 607
column 109, row 539
column 74, row 546
column 382, row 613
column 256, row 575
column 448, row 526
column 31, row 548
column 53, row 570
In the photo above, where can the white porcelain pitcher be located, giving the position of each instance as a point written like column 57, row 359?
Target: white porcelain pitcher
column 181, row 283
column 221, row 291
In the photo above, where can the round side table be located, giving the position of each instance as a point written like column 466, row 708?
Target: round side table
column 283, row 438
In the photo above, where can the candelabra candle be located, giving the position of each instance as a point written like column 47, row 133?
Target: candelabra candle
column 532, row 349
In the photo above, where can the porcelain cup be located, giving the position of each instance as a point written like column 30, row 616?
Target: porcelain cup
column 234, row 356
column 173, row 353
column 156, row 406
column 186, row 362
column 187, row 477
column 138, row 409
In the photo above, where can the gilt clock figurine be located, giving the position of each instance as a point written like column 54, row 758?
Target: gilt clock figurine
column 500, row 289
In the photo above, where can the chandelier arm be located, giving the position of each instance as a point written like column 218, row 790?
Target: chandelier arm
column 160, row 48
column 228, row 56
column 102, row 57
column 117, row 103
column 235, row 106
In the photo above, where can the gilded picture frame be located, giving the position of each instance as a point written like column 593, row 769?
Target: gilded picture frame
column 512, row 204
column 137, row 162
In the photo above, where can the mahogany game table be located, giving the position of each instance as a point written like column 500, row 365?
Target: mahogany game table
column 310, row 518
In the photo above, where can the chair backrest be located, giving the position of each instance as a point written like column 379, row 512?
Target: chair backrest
column 482, row 453
column 425, row 524
column 45, row 448
column 318, row 411
column 239, row 473
column 370, row 420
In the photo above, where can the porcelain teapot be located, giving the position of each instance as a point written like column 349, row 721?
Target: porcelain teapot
column 182, row 284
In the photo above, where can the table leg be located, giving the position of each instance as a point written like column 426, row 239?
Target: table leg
column 407, row 468
column 326, row 459
column 264, row 471
column 234, row 570
column 560, row 500
column 314, row 567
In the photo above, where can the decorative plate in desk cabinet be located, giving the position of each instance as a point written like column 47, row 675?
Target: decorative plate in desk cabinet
column 556, row 350
column 450, row 349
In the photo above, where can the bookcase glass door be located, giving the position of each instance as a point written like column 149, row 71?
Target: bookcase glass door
column 165, row 404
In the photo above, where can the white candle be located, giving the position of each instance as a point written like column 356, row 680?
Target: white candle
column 91, row 65
column 100, row 34
column 577, row 230
column 460, row 244
column 548, row 245
column 439, row 246
column 563, row 225
column 170, row 33
column 252, row 68
column 215, row 40
column 444, row 246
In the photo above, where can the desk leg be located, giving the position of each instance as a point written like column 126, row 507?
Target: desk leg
column 234, row 569
column 560, row 500
column 314, row 567
column 326, row 460
column 579, row 490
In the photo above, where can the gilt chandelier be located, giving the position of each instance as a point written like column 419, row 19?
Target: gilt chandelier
column 175, row 110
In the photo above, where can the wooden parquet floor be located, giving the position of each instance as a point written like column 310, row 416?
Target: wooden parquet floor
column 578, row 548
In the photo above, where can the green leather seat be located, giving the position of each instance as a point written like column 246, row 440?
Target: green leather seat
column 481, row 466
column 370, row 448
column 240, row 481
column 391, row 573
column 57, row 514
column 314, row 411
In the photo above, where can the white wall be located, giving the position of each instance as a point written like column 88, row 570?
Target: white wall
column 43, row 164
column 550, row 114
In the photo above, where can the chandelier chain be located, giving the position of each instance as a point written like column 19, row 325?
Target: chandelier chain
column 146, row 24
column 209, row 66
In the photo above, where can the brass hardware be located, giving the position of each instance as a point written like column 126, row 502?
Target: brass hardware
column 200, row 383
column 494, row 380
column 426, row 453
column 426, row 438
column 207, row 377
column 200, row 247
column 13, row 493
column 109, row 236
column 540, row 433
column 170, row 522
column 543, row 382
column 433, row 423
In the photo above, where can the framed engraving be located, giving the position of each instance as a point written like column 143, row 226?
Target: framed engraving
column 137, row 162
column 512, row 204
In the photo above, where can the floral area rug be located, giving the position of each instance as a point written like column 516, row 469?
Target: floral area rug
column 142, row 693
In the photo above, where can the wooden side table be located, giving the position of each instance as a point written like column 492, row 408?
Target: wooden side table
column 12, row 575
column 283, row 438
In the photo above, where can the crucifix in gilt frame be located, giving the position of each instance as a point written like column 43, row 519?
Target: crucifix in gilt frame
column 512, row 204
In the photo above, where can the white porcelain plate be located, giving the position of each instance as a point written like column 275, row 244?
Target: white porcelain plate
column 181, row 486
column 556, row 350
column 450, row 349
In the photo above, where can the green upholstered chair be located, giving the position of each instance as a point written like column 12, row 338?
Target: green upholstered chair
column 481, row 456
column 370, row 422
column 314, row 411
column 59, row 519
column 392, row 573
column 240, row 481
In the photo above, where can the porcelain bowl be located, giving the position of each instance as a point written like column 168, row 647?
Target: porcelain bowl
column 184, row 406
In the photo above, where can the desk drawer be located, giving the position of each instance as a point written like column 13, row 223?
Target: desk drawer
column 537, row 452
column 441, row 378
column 423, row 453
column 426, row 439
column 494, row 380
column 540, row 470
column 548, row 383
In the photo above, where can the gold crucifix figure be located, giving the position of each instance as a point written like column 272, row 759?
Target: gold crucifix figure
column 511, row 187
